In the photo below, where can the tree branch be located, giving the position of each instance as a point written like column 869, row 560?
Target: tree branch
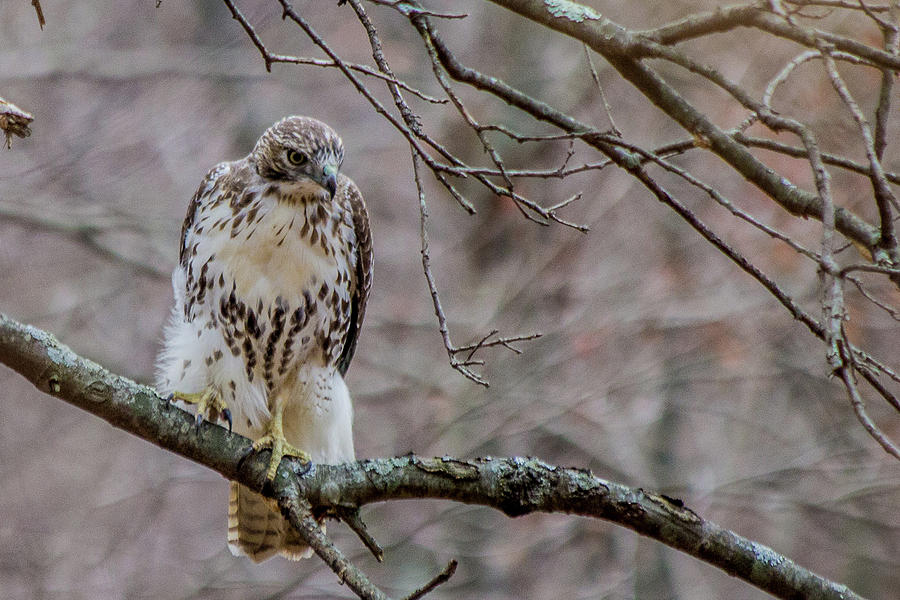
column 515, row 486
column 618, row 45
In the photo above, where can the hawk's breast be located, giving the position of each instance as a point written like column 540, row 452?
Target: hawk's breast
column 275, row 275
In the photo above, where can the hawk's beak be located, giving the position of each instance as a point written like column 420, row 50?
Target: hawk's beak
column 329, row 179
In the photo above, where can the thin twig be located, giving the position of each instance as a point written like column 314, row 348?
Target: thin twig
column 859, row 407
column 883, row 110
column 869, row 268
column 353, row 520
column 438, row 56
column 412, row 120
column 40, row 13
column 503, row 341
column 596, row 78
column 251, row 32
column 890, row 310
column 847, row 4
column 408, row 8
column 270, row 58
column 440, row 578
column 432, row 286
column 884, row 197
column 719, row 198
column 364, row 69
column 298, row 512
column 884, row 24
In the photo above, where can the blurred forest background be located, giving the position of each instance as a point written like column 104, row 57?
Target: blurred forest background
column 661, row 365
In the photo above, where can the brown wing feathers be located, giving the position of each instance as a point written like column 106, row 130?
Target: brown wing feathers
column 360, row 293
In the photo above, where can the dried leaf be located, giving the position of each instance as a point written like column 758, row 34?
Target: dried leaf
column 14, row 120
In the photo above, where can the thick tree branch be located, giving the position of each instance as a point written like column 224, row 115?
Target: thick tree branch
column 516, row 486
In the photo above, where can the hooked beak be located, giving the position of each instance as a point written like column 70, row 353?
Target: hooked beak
column 329, row 179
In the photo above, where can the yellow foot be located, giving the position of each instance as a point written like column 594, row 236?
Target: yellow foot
column 280, row 449
column 274, row 439
column 209, row 404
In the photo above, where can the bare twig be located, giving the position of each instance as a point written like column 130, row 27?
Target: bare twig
column 848, row 4
column 884, row 197
column 846, row 374
column 40, row 13
column 353, row 520
column 891, row 44
column 418, row 10
column 411, row 119
column 596, row 78
column 890, row 310
column 723, row 201
column 251, row 33
column 529, row 209
column 439, row 579
column 298, row 512
column 462, row 367
column 270, row 58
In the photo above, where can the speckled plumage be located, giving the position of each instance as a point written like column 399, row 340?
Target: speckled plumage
column 270, row 294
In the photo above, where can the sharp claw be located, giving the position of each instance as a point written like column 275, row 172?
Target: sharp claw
column 306, row 467
column 210, row 406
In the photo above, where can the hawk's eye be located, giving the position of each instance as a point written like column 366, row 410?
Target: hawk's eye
column 296, row 158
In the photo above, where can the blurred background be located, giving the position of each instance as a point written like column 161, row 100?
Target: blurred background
column 661, row 364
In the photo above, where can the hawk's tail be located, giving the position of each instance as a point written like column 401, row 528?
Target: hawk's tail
column 258, row 531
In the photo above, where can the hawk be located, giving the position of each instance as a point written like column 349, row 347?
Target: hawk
column 270, row 293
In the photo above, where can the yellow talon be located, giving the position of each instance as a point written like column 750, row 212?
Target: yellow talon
column 209, row 404
column 274, row 439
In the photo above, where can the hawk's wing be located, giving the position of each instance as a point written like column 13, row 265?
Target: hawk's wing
column 208, row 184
column 226, row 182
column 359, row 295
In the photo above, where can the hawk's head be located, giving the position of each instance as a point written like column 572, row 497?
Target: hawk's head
column 303, row 151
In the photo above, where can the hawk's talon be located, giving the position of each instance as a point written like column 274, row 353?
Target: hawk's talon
column 274, row 439
column 280, row 448
column 210, row 405
column 307, row 468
